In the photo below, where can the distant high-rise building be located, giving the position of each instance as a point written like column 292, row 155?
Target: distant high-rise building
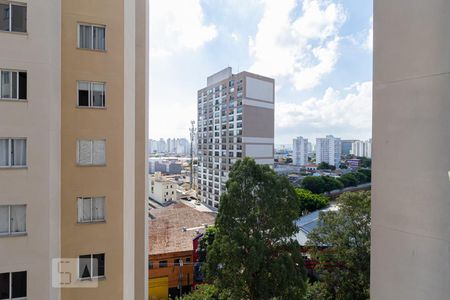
column 310, row 148
column 362, row 148
column 346, row 146
column 328, row 150
column 300, row 151
column 235, row 119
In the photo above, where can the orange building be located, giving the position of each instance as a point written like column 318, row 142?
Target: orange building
column 171, row 232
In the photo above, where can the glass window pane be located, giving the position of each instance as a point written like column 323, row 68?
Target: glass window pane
column 19, row 152
column 4, row 285
column 98, row 93
column 18, row 218
column 83, row 94
column 84, row 266
column 6, row 84
column 4, row 17
column 14, row 85
column 4, row 152
column 98, row 265
column 99, row 152
column 4, row 220
column 87, row 209
column 19, row 284
column 85, row 38
column 98, row 208
column 22, row 85
column 99, row 38
column 19, row 18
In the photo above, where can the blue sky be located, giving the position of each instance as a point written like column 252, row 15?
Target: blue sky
column 318, row 51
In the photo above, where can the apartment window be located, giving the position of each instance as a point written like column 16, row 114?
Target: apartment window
column 91, row 37
column 91, row 209
column 13, row 152
column 13, row 17
column 13, row 285
column 91, row 152
column 91, row 94
column 163, row 264
column 91, row 266
column 13, row 85
column 12, row 220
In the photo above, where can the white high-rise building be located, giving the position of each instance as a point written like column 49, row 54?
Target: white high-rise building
column 362, row 148
column 300, row 151
column 328, row 150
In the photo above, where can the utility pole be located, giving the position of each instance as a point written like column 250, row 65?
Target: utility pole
column 192, row 132
column 180, row 276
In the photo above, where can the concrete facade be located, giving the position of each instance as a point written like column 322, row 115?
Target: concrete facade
column 36, row 52
column 52, row 122
column 235, row 120
column 410, row 257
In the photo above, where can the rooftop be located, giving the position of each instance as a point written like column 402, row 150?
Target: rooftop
column 309, row 222
column 174, row 227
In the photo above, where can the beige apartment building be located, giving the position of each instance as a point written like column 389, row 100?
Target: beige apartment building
column 73, row 171
column 410, row 255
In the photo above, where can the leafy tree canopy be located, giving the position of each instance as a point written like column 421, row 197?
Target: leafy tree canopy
column 310, row 202
column 325, row 166
column 344, row 268
column 253, row 255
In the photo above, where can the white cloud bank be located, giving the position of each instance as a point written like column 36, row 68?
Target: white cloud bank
column 348, row 111
column 176, row 26
column 299, row 42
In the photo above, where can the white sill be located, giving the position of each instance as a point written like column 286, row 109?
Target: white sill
column 92, row 222
column 13, row 167
column 94, row 50
column 14, row 32
column 13, row 100
column 13, row 234
column 99, row 278
column 84, row 166
column 91, row 107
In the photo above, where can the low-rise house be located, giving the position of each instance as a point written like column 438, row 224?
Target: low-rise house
column 162, row 189
column 172, row 230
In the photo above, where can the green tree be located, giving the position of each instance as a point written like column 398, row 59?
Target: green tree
column 367, row 172
column 344, row 268
column 348, row 179
column 365, row 162
column 331, row 183
column 325, row 166
column 360, row 177
column 314, row 184
column 202, row 292
column 206, row 241
column 253, row 255
column 309, row 201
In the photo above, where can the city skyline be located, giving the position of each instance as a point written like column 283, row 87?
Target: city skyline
column 307, row 46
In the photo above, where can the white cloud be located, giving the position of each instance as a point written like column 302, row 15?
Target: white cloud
column 235, row 37
column 348, row 112
column 302, row 49
column 369, row 40
column 176, row 26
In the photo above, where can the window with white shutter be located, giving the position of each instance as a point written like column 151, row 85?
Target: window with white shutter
column 91, row 209
column 91, row 152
